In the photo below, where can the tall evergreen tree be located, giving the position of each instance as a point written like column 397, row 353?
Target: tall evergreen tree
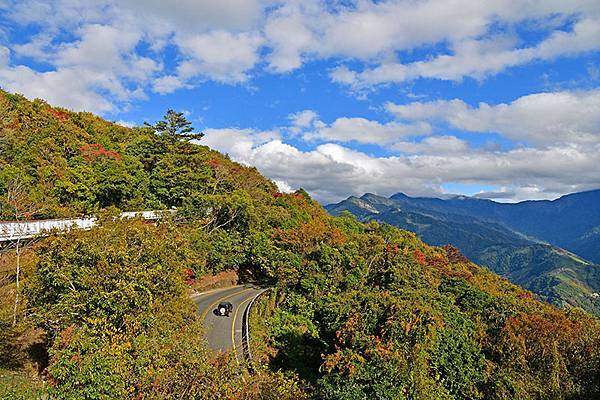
column 174, row 124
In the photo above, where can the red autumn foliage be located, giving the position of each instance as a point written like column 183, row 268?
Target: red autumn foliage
column 214, row 163
column 525, row 295
column 438, row 261
column 277, row 195
column 59, row 115
column 420, row 257
column 190, row 276
column 50, row 380
column 93, row 151
column 392, row 248
column 308, row 237
column 535, row 339
column 454, row 255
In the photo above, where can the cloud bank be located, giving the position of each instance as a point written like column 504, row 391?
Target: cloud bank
column 106, row 56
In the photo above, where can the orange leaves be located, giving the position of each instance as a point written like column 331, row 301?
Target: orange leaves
column 92, row 152
column 343, row 361
column 392, row 248
column 66, row 336
column 59, row 115
column 454, row 255
column 382, row 349
column 552, row 345
column 525, row 295
column 438, row 261
column 190, row 276
column 347, row 331
column 414, row 321
column 540, row 331
column 420, row 257
column 214, row 163
column 308, row 237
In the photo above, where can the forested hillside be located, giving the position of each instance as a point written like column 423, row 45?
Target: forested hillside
column 556, row 275
column 571, row 221
column 360, row 311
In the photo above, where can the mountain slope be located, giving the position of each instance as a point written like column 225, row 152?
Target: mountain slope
column 355, row 311
column 571, row 222
column 557, row 275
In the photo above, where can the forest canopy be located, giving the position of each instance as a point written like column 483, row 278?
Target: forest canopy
column 359, row 311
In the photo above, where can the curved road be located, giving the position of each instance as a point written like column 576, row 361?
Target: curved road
column 225, row 333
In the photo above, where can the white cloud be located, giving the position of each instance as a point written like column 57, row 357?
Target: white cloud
column 167, row 84
column 219, row 55
column 331, row 172
column 375, row 31
column 441, row 145
column 289, row 37
column 362, row 130
column 127, row 124
column 99, row 66
column 103, row 54
column 477, row 58
column 238, row 143
column 39, row 48
column 303, row 119
column 96, row 72
column 66, row 87
column 121, row 45
column 4, row 56
column 194, row 15
column 541, row 119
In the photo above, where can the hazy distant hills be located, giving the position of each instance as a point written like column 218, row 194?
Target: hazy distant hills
column 571, row 222
column 541, row 245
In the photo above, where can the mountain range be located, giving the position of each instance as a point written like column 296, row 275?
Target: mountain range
column 549, row 247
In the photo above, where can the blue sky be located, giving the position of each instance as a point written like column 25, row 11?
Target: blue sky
column 498, row 100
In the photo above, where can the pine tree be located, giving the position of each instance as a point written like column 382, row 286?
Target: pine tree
column 175, row 125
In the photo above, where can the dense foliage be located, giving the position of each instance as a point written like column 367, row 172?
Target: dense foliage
column 571, row 222
column 361, row 311
column 115, row 307
column 77, row 163
column 384, row 316
column 554, row 274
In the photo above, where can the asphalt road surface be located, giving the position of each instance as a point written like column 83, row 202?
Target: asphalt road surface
column 225, row 333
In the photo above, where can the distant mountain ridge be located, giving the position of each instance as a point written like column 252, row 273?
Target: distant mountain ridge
column 539, row 245
column 571, row 221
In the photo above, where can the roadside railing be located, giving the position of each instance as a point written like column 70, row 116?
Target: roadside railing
column 13, row 230
column 246, row 330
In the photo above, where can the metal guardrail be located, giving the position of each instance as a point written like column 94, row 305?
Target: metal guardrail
column 246, row 330
column 13, row 230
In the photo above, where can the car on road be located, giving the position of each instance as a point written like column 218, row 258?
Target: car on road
column 224, row 309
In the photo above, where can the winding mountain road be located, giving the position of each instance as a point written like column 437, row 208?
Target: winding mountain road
column 225, row 333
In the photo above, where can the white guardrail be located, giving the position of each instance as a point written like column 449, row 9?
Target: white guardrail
column 13, row 230
column 246, row 330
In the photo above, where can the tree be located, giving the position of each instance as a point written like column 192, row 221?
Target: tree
column 175, row 125
column 22, row 209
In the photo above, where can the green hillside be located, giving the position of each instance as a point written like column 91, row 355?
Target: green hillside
column 357, row 311
column 554, row 274
column 571, row 222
